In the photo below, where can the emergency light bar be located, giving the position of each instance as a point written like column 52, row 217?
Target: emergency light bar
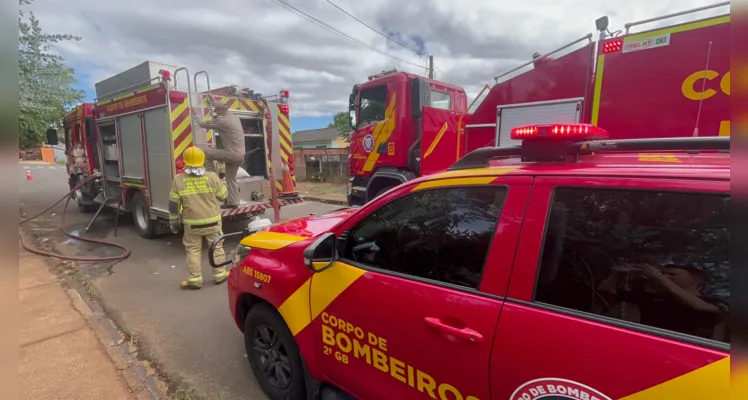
column 559, row 150
column 558, row 131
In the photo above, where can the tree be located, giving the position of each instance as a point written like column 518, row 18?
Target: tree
column 45, row 88
column 341, row 121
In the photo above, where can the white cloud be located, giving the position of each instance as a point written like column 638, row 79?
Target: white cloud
column 260, row 45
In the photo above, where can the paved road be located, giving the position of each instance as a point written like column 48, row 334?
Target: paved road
column 191, row 334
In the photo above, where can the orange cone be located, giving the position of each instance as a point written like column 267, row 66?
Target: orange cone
column 289, row 188
column 29, row 177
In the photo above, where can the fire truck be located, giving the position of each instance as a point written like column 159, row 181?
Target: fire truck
column 670, row 81
column 128, row 145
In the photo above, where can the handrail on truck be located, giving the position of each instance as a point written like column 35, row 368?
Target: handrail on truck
column 156, row 78
column 677, row 14
column 207, row 79
column 587, row 37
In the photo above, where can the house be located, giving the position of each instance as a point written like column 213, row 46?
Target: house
column 325, row 138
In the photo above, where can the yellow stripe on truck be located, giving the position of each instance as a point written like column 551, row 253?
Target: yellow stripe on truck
column 270, row 240
column 299, row 312
column 454, row 182
column 598, row 89
column 709, row 382
column 385, row 129
column 680, row 28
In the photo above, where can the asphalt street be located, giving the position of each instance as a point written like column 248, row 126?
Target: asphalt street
column 189, row 333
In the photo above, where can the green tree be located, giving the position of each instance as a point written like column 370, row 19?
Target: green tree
column 45, row 88
column 341, row 121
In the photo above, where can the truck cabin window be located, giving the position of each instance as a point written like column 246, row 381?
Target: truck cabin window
column 373, row 102
column 441, row 100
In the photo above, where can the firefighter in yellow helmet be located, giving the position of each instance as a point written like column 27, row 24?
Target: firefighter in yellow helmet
column 195, row 195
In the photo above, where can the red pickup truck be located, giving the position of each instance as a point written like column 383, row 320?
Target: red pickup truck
column 563, row 268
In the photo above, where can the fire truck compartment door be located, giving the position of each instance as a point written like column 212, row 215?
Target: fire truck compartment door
column 131, row 145
column 157, row 132
column 538, row 113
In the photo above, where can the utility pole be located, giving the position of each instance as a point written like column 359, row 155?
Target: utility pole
column 431, row 67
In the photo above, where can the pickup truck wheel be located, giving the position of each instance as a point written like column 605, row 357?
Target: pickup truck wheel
column 273, row 354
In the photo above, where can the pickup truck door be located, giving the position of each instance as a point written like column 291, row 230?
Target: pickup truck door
column 569, row 331
column 402, row 315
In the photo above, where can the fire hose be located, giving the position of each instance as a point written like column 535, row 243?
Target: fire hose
column 69, row 234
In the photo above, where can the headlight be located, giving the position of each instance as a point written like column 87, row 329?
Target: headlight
column 350, row 188
column 239, row 254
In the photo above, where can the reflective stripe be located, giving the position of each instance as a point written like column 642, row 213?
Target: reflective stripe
column 195, row 279
column 187, row 192
column 222, row 192
column 174, row 195
column 173, row 217
column 202, row 221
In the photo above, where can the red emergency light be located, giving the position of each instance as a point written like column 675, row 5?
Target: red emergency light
column 612, row 45
column 558, row 131
column 165, row 75
column 284, row 93
column 283, row 108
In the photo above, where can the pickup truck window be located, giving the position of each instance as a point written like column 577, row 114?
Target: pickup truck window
column 439, row 234
column 373, row 104
column 658, row 259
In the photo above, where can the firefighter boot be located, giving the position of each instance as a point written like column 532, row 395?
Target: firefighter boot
column 220, row 275
column 192, row 283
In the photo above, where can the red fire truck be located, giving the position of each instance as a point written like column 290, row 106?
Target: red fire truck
column 128, row 146
column 671, row 81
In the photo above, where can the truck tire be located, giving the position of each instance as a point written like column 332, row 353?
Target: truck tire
column 382, row 191
column 273, row 354
column 141, row 216
column 85, row 203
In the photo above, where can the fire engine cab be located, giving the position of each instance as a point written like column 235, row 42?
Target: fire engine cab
column 670, row 81
column 124, row 150
column 566, row 266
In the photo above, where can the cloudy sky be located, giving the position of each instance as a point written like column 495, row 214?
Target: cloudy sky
column 262, row 45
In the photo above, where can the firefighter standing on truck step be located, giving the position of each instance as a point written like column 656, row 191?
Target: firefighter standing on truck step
column 194, row 196
column 229, row 128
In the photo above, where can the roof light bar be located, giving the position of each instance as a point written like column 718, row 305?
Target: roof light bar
column 557, row 131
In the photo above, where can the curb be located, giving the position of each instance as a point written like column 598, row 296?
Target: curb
column 326, row 201
column 136, row 377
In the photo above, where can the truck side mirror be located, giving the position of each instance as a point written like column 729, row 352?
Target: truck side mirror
column 321, row 254
column 52, row 137
column 420, row 95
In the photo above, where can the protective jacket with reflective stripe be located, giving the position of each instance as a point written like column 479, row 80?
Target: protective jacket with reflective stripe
column 198, row 197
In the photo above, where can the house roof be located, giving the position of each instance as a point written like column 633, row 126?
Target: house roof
column 315, row 135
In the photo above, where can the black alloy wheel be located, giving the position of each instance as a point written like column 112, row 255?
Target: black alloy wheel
column 271, row 356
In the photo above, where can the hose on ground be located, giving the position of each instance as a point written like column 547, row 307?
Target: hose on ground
column 69, row 234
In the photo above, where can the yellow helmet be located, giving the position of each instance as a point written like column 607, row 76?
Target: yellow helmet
column 194, row 157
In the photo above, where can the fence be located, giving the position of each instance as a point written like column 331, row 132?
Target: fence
column 321, row 165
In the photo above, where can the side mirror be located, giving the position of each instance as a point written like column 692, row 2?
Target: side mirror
column 321, row 254
column 52, row 137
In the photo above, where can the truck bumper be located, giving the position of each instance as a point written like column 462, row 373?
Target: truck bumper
column 357, row 191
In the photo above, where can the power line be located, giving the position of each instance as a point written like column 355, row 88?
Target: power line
column 319, row 23
column 375, row 30
column 444, row 75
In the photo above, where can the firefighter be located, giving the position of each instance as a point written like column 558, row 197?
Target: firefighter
column 229, row 128
column 197, row 193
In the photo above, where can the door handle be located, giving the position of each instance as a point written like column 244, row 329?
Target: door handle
column 464, row 333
